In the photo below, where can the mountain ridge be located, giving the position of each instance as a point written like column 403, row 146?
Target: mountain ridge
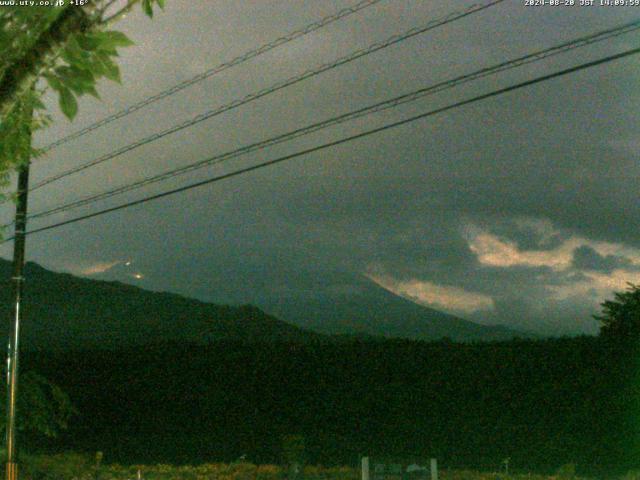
column 364, row 307
column 65, row 311
column 82, row 312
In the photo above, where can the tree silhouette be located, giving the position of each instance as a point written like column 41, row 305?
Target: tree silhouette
column 45, row 409
column 620, row 318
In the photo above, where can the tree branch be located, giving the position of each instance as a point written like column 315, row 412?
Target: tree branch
column 106, row 6
column 120, row 13
column 20, row 76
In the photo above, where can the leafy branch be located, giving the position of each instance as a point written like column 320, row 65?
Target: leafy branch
column 71, row 48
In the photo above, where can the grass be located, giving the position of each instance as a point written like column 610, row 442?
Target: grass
column 79, row 467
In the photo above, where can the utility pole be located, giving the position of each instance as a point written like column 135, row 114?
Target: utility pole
column 17, row 281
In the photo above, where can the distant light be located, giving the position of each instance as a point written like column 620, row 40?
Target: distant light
column 138, row 276
column 127, row 263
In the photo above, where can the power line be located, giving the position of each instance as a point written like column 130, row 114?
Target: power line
column 267, row 47
column 334, row 143
column 377, row 107
column 274, row 88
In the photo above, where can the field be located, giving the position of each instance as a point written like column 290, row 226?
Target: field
column 78, row 467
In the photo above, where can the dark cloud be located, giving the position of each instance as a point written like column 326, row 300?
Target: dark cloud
column 586, row 258
column 526, row 234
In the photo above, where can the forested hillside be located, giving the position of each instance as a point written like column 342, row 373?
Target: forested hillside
column 542, row 403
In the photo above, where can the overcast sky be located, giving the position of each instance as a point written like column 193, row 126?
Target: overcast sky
column 520, row 210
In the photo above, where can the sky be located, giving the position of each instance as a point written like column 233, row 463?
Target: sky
column 519, row 210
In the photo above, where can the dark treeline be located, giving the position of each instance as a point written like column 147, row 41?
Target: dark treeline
column 542, row 403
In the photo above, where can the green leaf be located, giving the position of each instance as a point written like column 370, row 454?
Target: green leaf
column 83, row 74
column 73, row 54
column 111, row 40
column 160, row 3
column 112, row 71
column 88, row 42
column 147, row 8
column 79, row 80
column 68, row 103
column 54, row 82
column 93, row 92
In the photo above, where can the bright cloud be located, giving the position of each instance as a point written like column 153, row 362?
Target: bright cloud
column 96, row 268
column 595, row 285
column 496, row 252
column 433, row 295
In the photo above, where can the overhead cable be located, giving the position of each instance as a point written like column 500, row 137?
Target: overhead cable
column 361, row 112
column 343, row 140
column 452, row 17
column 267, row 47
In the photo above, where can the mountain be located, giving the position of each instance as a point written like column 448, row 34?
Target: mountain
column 62, row 311
column 359, row 306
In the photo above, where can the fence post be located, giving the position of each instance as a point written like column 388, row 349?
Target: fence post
column 434, row 469
column 99, row 456
column 365, row 468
